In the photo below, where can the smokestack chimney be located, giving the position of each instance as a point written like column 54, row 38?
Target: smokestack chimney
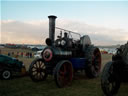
column 52, row 19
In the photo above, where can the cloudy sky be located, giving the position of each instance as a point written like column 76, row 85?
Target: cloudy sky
column 26, row 22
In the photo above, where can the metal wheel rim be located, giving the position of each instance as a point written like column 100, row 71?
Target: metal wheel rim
column 6, row 74
column 65, row 74
column 38, row 70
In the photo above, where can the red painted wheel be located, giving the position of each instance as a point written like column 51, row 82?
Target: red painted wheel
column 37, row 70
column 96, row 60
column 93, row 56
column 63, row 73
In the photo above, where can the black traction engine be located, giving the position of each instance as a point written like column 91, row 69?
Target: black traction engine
column 115, row 71
column 64, row 56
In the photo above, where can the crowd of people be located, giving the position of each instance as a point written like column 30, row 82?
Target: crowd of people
column 21, row 54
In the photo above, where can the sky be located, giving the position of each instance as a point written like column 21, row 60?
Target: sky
column 26, row 22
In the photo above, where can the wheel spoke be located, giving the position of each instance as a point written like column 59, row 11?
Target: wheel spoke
column 64, row 68
column 62, row 73
column 37, row 64
column 40, row 64
column 34, row 69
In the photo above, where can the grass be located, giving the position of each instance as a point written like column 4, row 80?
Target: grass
column 81, row 85
column 24, row 86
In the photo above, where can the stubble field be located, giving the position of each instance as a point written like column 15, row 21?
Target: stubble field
column 81, row 85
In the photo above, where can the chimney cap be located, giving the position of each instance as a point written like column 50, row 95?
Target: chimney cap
column 52, row 16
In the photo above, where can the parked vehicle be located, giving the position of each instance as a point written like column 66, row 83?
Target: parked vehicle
column 10, row 67
column 37, row 54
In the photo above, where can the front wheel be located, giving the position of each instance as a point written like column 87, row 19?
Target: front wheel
column 6, row 74
column 110, row 82
column 37, row 70
column 63, row 73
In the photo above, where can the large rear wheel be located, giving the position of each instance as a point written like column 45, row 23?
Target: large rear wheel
column 110, row 82
column 37, row 70
column 63, row 73
column 93, row 57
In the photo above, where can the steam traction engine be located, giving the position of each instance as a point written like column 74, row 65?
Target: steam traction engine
column 64, row 56
column 115, row 71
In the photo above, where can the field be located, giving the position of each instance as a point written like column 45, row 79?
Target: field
column 81, row 85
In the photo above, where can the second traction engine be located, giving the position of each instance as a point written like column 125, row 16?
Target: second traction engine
column 64, row 55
